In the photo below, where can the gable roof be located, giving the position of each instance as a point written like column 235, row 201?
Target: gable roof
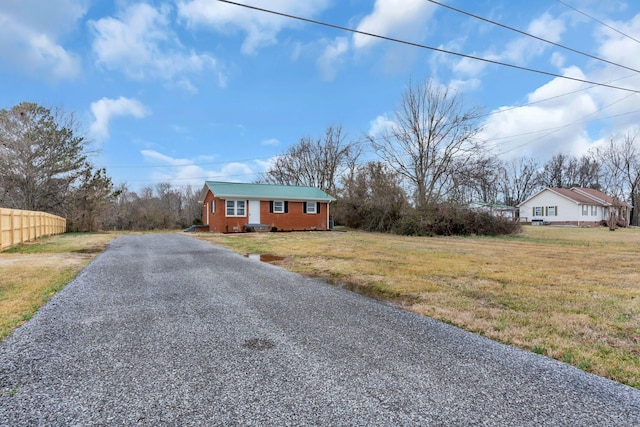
column 599, row 196
column 266, row 191
column 570, row 194
column 582, row 196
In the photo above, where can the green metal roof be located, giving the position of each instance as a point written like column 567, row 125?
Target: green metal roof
column 267, row 191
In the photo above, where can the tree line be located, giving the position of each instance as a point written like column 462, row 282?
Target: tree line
column 429, row 167
column 418, row 176
column 45, row 166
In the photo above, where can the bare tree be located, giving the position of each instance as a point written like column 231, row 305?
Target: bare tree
column 192, row 205
column 476, row 180
column 621, row 166
column 518, row 180
column 584, row 172
column 161, row 207
column 565, row 171
column 554, row 173
column 314, row 162
column 431, row 130
column 120, row 211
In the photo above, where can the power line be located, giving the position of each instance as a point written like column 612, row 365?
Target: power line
column 575, row 122
column 594, row 84
column 435, row 49
column 532, row 36
column 540, row 101
column 598, row 21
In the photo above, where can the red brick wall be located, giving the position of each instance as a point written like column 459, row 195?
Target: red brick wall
column 574, row 223
column 294, row 220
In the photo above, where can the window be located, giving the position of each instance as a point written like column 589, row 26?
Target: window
column 236, row 207
column 310, row 207
column 278, row 206
column 552, row 211
column 537, row 211
column 585, row 210
column 594, row 210
column 213, row 206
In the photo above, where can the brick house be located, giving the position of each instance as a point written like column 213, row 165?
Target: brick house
column 573, row 206
column 231, row 207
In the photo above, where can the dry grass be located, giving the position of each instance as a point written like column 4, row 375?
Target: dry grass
column 570, row 293
column 32, row 273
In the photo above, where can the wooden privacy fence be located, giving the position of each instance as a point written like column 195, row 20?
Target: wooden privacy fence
column 18, row 226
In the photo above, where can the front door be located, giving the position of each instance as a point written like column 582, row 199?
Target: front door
column 254, row 211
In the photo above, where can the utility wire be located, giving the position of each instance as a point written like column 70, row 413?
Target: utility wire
column 540, row 101
column 532, row 36
column 575, row 122
column 435, row 49
column 598, row 21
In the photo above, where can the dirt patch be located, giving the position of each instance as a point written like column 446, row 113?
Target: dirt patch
column 93, row 250
column 61, row 260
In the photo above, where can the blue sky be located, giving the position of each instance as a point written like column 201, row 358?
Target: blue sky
column 187, row 90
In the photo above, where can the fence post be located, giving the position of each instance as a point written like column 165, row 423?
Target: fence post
column 11, row 241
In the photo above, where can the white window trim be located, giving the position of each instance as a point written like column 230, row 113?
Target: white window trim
column 313, row 209
column 235, row 208
column 276, row 210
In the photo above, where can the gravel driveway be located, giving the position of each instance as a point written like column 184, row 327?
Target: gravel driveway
column 170, row 330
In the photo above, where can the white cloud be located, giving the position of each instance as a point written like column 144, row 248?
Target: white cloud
column 380, row 126
column 331, row 57
column 105, row 109
column 558, row 60
column 271, row 141
column 261, row 28
column 29, row 33
column 394, row 18
column 549, row 126
column 547, row 27
column 187, row 171
column 518, row 51
column 469, row 67
column 567, row 116
column 185, row 84
column 53, row 17
column 620, row 49
column 464, row 85
column 140, row 43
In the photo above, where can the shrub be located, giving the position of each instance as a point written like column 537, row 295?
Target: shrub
column 449, row 219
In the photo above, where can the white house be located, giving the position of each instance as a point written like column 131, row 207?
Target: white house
column 575, row 206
